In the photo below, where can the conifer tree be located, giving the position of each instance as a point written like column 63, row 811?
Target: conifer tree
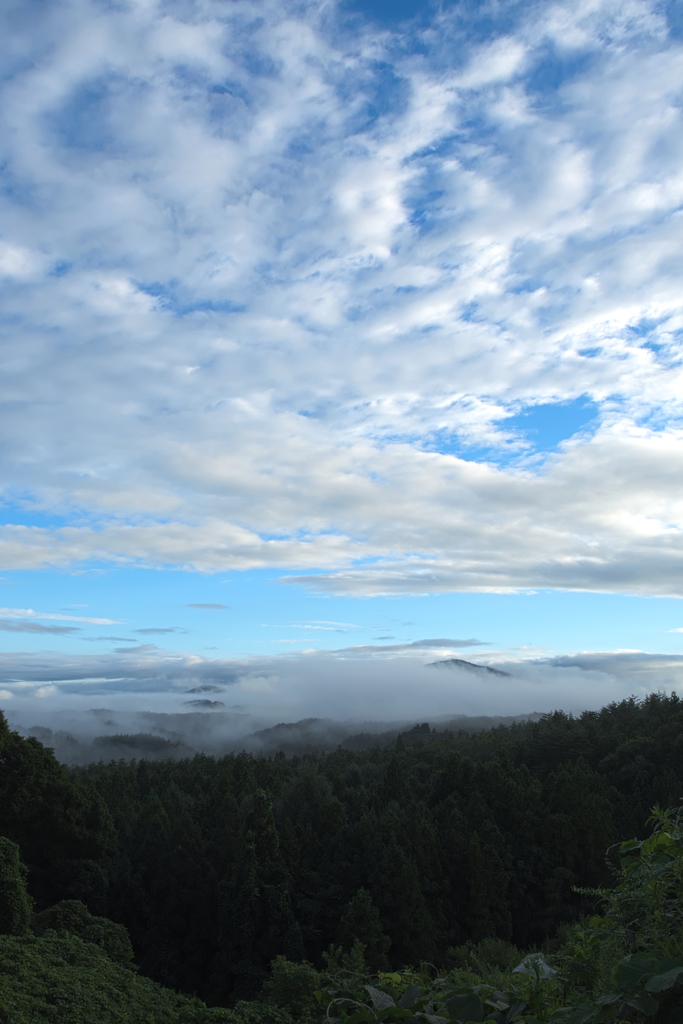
column 362, row 922
column 16, row 905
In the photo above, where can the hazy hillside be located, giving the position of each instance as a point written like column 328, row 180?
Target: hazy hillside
column 212, row 731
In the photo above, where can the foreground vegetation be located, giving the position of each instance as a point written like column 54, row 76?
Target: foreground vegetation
column 448, row 879
column 67, row 966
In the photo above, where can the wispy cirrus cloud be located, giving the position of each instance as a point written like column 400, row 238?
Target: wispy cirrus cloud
column 415, row 645
column 29, row 613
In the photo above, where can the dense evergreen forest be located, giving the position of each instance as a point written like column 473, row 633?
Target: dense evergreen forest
column 218, row 865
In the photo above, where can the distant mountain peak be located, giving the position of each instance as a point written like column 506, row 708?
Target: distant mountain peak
column 469, row 665
column 205, row 703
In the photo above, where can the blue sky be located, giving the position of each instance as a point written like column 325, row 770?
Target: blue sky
column 243, row 614
column 362, row 320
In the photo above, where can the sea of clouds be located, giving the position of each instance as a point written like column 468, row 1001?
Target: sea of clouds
column 220, row 704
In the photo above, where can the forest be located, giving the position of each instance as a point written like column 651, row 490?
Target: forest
column 222, row 877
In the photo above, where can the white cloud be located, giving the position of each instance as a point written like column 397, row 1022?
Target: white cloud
column 16, row 261
column 495, row 62
column 604, row 514
column 262, row 267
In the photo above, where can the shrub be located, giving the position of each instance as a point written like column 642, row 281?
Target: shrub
column 60, row 979
column 292, row 986
column 73, row 916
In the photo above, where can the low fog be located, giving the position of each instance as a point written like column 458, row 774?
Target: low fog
column 157, row 704
column 156, row 736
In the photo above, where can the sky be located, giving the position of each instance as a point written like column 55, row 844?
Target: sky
column 339, row 338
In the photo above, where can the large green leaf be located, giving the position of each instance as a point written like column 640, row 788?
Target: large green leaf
column 465, row 1008
column 645, row 1004
column 508, row 1014
column 629, row 972
column 394, row 1013
column 362, row 1014
column 630, row 844
column 660, row 982
column 497, row 999
column 660, row 841
column 630, row 864
column 380, row 1000
column 668, row 962
column 515, row 1010
column 609, row 998
column 574, row 1015
column 660, row 863
column 412, row 993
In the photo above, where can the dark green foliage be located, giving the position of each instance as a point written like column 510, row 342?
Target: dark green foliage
column 255, row 917
column 62, row 980
column 641, row 925
column 60, row 823
column 639, row 985
column 635, row 953
column 291, row 986
column 643, row 919
column 74, row 917
column 15, row 904
column 256, row 1012
column 482, row 956
column 217, row 866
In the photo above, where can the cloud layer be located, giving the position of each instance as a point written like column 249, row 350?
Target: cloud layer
column 415, row 682
column 275, row 279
